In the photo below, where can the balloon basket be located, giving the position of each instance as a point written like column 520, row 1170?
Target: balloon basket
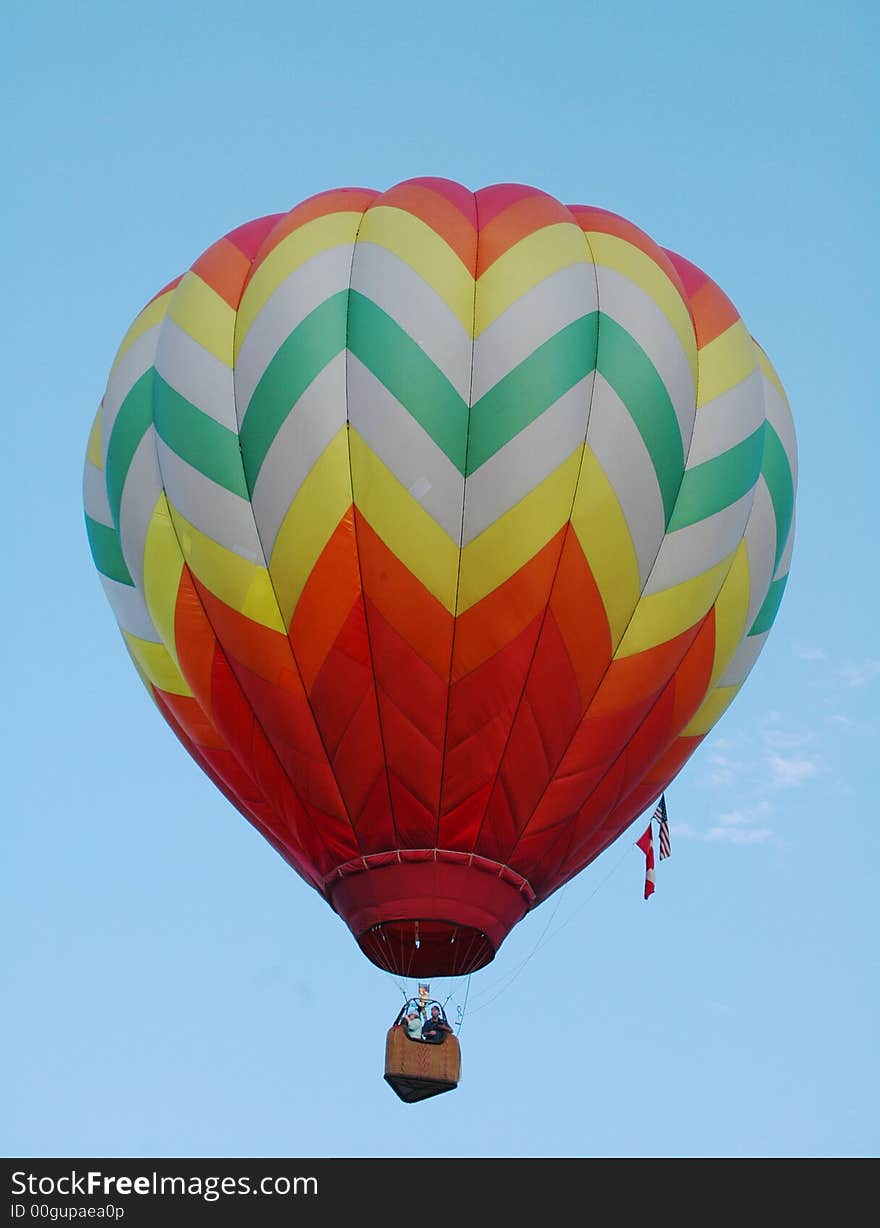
column 418, row 1069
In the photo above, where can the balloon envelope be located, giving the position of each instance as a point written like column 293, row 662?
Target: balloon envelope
column 441, row 526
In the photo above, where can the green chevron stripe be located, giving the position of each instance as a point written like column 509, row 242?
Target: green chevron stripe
column 314, row 342
column 410, row 375
column 532, row 387
column 767, row 612
column 719, row 482
column 107, row 552
column 632, row 375
column 132, row 422
column 197, row 438
column 776, row 472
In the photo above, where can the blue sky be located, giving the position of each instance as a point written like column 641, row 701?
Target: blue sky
column 175, row 989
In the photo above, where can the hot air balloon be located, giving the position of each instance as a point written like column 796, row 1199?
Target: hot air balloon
column 441, row 527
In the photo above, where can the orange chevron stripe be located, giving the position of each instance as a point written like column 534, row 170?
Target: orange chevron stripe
column 412, row 759
column 406, row 680
column 713, row 312
column 576, row 602
column 403, row 601
column 535, row 848
column 553, row 693
column 490, row 692
column 692, row 678
column 609, row 783
column 494, row 199
column 438, row 212
column 326, row 601
column 194, row 640
column 337, row 200
column 630, row 680
column 192, row 719
column 481, row 708
column 502, row 614
column 224, row 267
column 243, row 732
column 287, row 722
column 258, row 648
column 516, row 222
column 668, row 765
column 603, row 221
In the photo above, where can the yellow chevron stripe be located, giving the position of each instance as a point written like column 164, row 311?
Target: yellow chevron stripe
column 769, row 370
column 402, row 523
column 522, row 266
column 156, row 664
column 633, row 263
column 163, row 565
column 425, row 251
column 710, row 711
column 332, row 230
column 725, row 362
column 154, row 313
column 660, row 617
column 321, row 502
column 242, row 585
column 517, row 536
column 94, row 450
column 140, row 672
column 606, row 541
column 731, row 611
column 204, row 316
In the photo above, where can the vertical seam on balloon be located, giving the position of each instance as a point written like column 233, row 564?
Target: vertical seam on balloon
column 305, row 813
column 271, row 580
column 589, row 409
column 464, row 488
column 357, row 552
column 269, row 576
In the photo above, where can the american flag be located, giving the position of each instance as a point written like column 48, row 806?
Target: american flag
column 660, row 815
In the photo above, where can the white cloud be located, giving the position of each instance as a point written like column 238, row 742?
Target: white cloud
column 744, row 815
column 732, row 827
column 739, row 835
column 807, row 652
column 791, row 771
column 858, row 675
column 779, row 739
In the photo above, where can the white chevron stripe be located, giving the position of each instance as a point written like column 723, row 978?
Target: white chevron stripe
column 143, row 485
column 306, row 431
column 130, row 610
column 696, row 548
column 634, row 310
column 95, row 500
column 538, row 315
column 222, row 516
column 196, row 374
column 785, row 559
column 743, row 660
column 526, row 460
column 298, row 295
column 728, row 420
column 619, row 448
column 779, row 416
column 760, row 537
column 137, row 359
column 412, row 302
column 405, row 447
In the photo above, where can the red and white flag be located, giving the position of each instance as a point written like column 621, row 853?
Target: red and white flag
column 646, row 844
